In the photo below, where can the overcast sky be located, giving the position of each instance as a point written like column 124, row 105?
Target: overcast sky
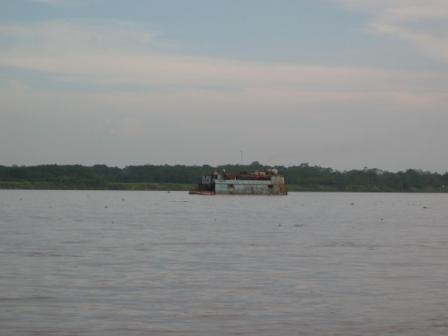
column 338, row 83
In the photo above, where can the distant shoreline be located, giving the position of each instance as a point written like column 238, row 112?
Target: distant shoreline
column 112, row 186
column 303, row 177
column 185, row 187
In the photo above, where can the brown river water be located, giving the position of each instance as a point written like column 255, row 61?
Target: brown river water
column 109, row 263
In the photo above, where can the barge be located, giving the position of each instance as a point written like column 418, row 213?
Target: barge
column 267, row 182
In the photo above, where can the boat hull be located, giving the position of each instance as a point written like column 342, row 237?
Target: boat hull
column 203, row 193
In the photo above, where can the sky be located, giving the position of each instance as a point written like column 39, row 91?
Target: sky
column 345, row 84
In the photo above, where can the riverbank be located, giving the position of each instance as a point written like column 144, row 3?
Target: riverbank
column 140, row 186
column 109, row 186
column 180, row 177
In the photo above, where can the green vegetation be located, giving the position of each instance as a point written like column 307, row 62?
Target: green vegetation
column 180, row 177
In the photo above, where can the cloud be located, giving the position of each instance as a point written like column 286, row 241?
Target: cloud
column 61, row 2
column 401, row 10
column 51, row 2
column 338, row 129
column 66, row 36
column 129, row 98
column 117, row 55
column 434, row 46
column 410, row 21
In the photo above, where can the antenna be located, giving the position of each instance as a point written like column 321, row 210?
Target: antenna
column 241, row 151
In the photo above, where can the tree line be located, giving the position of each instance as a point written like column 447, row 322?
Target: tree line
column 303, row 177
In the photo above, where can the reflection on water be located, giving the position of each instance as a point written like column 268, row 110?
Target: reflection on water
column 157, row 263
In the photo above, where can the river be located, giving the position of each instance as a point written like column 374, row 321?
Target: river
column 108, row 263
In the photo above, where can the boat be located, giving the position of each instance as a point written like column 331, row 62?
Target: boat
column 267, row 182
